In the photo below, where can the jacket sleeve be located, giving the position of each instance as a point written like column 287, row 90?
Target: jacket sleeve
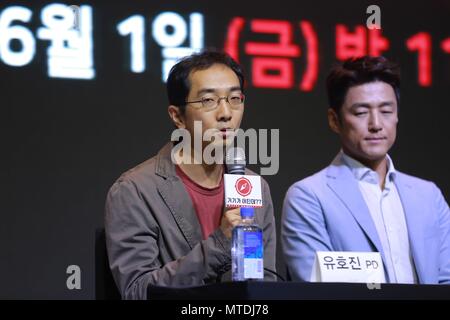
column 132, row 238
column 444, row 232
column 303, row 231
column 269, row 234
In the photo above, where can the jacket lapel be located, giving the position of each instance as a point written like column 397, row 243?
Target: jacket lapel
column 414, row 211
column 344, row 185
column 174, row 194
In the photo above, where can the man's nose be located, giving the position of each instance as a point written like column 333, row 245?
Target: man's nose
column 375, row 122
column 224, row 109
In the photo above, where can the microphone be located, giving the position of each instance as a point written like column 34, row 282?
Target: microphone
column 241, row 190
column 235, row 161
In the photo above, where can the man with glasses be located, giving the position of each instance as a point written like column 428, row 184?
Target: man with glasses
column 165, row 220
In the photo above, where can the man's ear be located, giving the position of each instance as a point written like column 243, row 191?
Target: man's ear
column 177, row 116
column 333, row 121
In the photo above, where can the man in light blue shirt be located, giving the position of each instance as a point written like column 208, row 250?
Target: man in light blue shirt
column 361, row 202
column 386, row 210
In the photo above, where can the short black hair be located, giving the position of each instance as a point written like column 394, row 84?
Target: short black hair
column 356, row 71
column 178, row 84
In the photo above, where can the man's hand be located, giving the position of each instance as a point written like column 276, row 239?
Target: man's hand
column 230, row 218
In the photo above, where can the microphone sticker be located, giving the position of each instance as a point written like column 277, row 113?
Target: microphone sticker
column 243, row 186
column 242, row 190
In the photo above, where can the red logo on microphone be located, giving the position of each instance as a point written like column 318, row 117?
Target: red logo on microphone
column 243, row 186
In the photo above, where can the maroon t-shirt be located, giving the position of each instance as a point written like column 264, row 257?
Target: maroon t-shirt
column 208, row 203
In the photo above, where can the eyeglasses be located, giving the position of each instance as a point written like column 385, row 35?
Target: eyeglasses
column 211, row 102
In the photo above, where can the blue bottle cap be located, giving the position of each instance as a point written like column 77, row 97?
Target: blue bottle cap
column 247, row 212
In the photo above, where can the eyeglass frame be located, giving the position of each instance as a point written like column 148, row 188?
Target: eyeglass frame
column 218, row 102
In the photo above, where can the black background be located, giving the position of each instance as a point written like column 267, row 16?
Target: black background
column 64, row 142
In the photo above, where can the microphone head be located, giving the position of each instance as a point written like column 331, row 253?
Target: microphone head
column 235, row 161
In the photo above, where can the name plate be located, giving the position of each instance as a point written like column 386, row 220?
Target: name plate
column 340, row 266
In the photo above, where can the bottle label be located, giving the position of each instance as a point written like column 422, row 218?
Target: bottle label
column 253, row 255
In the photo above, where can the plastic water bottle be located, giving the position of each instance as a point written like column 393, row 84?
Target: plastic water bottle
column 247, row 249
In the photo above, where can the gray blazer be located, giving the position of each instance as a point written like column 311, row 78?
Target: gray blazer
column 153, row 235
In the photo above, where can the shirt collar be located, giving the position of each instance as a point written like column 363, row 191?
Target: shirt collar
column 363, row 173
